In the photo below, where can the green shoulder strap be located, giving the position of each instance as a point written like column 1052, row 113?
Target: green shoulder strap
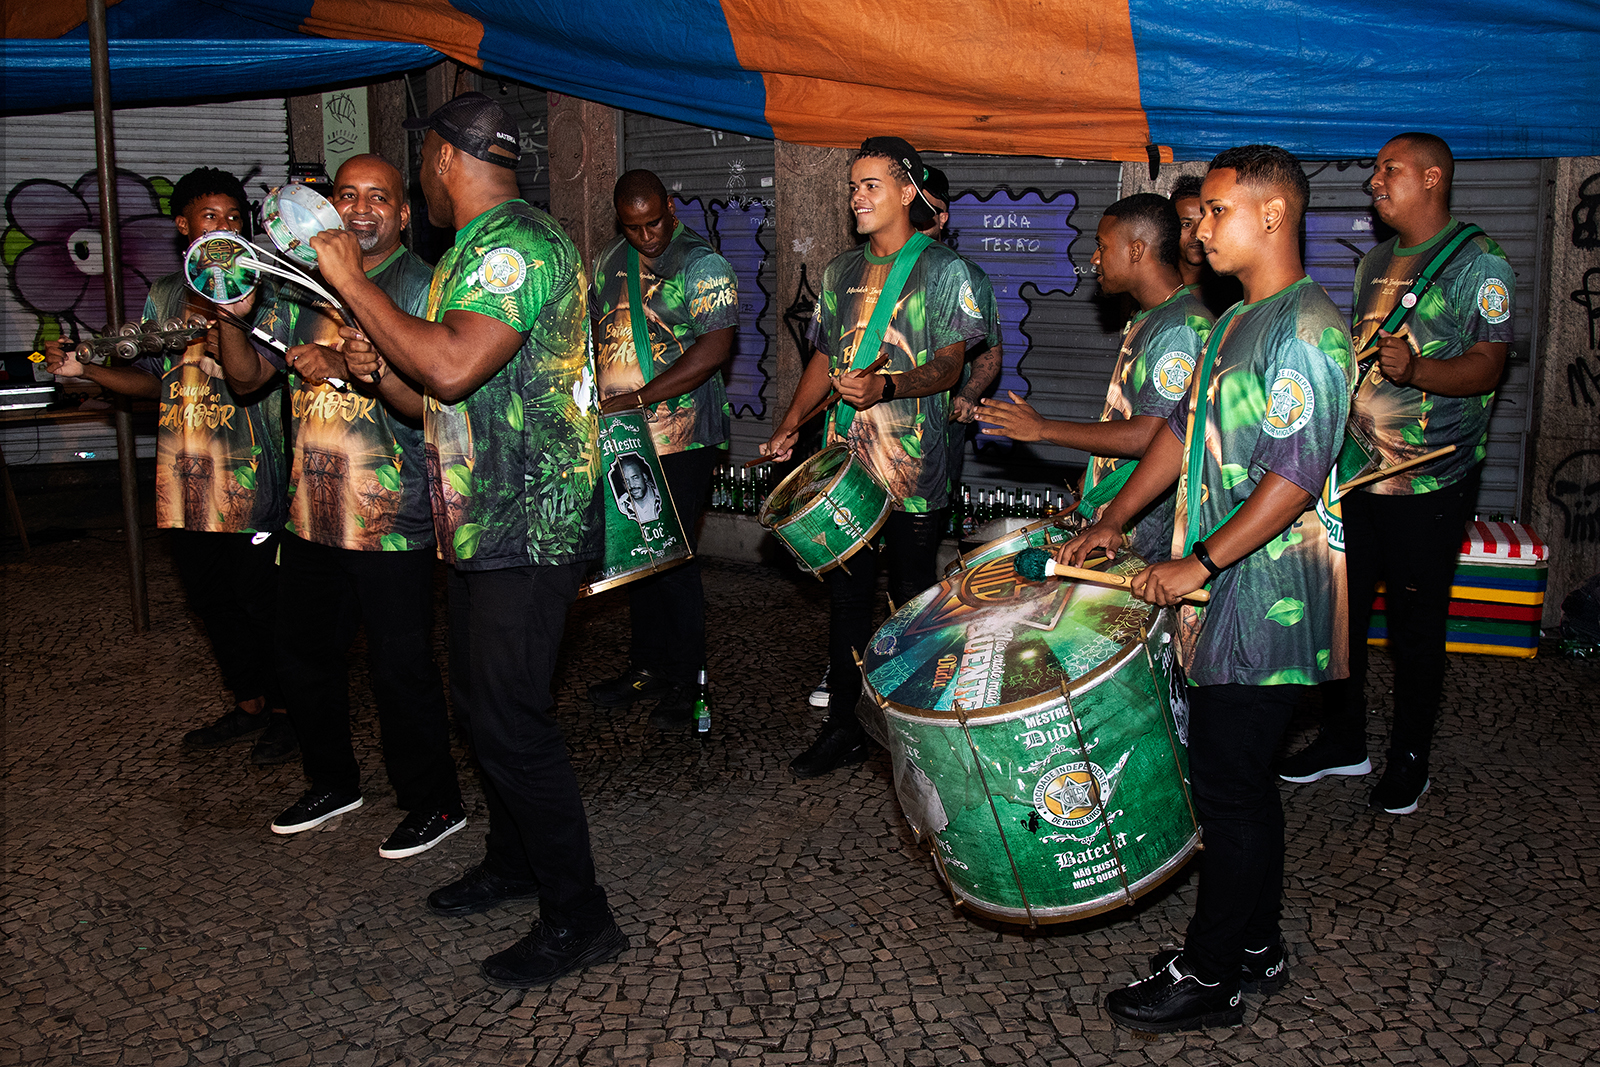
column 1199, row 410
column 1464, row 232
column 641, row 328
column 872, row 340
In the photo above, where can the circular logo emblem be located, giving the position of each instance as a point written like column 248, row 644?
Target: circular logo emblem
column 969, row 302
column 504, row 270
column 1409, row 300
column 1494, row 301
column 842, row 516
column 1172, row 373
column 1069, row 796
column 1290, row 404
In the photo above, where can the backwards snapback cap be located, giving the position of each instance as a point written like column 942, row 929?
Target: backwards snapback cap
column 477, row 126
column 900, row 150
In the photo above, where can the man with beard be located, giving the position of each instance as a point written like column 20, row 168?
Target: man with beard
column 1426, row 382
column 360, row 544
column 1136, row 252
column 689, row 299
column 1252, row 447
column 219, row 481
column 895, row 421
column 512, row 429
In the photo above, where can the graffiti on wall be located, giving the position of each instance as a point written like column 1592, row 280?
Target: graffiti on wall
column 52, row 249
column 1586, row 214
column 1574, row 489
column 1587, row 297
column 734, row 227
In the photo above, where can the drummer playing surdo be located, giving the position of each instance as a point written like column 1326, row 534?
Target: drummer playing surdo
column 1136, row 252
column 359, row 545
column 516, row 507
column 222, row 524
column 1255, row 523
column 691, row 302
column 895, row 420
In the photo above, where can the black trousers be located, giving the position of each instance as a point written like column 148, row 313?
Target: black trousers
column 911, row 549
column 325, row 595
column 1410, row 543
column 229, row 583
column 1234, row 733
column 505, row 633
column 668, row 610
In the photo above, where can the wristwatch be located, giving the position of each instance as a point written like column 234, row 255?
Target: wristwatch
column 1204, row 557
column 888, row 388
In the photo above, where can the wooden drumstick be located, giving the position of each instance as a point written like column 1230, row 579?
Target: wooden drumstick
column 831, row 399
column 1036, row 564
column 1384, row 472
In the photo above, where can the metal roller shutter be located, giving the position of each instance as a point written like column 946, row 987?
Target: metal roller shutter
column 1504, row 197
column 723, row 186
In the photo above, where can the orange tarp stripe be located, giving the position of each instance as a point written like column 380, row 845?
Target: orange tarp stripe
column 963, row 77
column 431, row 22
column 44, row 21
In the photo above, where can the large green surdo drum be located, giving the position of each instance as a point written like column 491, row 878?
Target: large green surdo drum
column 643, row 533
column 1037, row 731
column 828, row 509
column 1044, row 533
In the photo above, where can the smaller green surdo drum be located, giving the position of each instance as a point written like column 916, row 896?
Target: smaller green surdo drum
column 643, row 532
column 828, row 509
column 1037, row 731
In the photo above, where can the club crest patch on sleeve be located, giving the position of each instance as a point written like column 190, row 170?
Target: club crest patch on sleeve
column 1494, row 302
column 1172, row 374
column 969, row 302
column 1290, row 405
column 503, row 271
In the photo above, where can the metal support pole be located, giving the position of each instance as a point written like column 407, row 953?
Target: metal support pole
column 111, row 257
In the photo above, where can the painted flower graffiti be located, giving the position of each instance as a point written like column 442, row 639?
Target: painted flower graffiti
column 52, row 246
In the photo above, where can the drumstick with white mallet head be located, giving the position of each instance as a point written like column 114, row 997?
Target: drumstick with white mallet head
column 1035, row 564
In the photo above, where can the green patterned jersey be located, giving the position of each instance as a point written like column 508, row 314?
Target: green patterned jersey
column 1160, row 348
column 513, row 467
column 688, row 292
column 1470, row 302
column 903, row 440
column 1279, row 395
column 357, row 477
column 983, row 294
column 219, row 456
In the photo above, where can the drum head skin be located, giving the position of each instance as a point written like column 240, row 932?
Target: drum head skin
column 217, row 266
column 827, row 509
column 293, row 214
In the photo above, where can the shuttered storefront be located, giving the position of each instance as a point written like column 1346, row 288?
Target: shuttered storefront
column 155, row 147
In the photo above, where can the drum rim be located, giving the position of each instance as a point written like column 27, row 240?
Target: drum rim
column 1070, row 912
column 232, row 238
column 589, row 589
column 272, row 219
column 872, row 531
column 764, row 516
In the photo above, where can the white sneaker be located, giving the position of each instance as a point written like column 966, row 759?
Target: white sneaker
column 819, row 695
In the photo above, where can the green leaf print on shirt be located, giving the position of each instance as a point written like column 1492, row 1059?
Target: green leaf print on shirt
column 1336, row 344
column 389, row 478
column 912, row 444
column 917, row 504
column 460, row 479
column 468, row 534
column 514, row 413
column 1287, row 611
column 1323, row 656
column 393, row 542
column 1233, row 474
column 1279, row 545
column 245, row 476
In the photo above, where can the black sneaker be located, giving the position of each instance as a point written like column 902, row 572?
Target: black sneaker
column 478, row 890
column 418, row 832
column 835, row 747
column 312, row 810
column 674, row 712
column 235, row 725
column 548, row 953
column 1323, row 757
column 277, row 743
column 638, row 684
column 1263, row 970
column 1402, row 785
column 1173, row 999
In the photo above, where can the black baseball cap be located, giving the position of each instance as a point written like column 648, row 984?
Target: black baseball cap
column 900, row 150
column 937, row 184
column 477, row 126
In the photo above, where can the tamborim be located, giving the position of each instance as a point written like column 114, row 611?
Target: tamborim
column 1037, row 731
column 827, row 510
column 219, row 266
column 643, row 534
column 292, row 214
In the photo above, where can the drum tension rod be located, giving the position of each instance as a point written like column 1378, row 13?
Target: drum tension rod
column 1172, row 742
column 1100, row 802
column 983, row 779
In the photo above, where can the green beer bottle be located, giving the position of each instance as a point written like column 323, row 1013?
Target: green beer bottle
column 702, row 705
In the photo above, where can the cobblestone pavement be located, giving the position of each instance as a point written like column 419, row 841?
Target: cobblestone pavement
column 150, row 916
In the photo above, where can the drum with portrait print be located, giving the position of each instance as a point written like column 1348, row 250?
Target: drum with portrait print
column 828, row 509
column 643, row 533
column 293, row 214
column 1037, row 731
